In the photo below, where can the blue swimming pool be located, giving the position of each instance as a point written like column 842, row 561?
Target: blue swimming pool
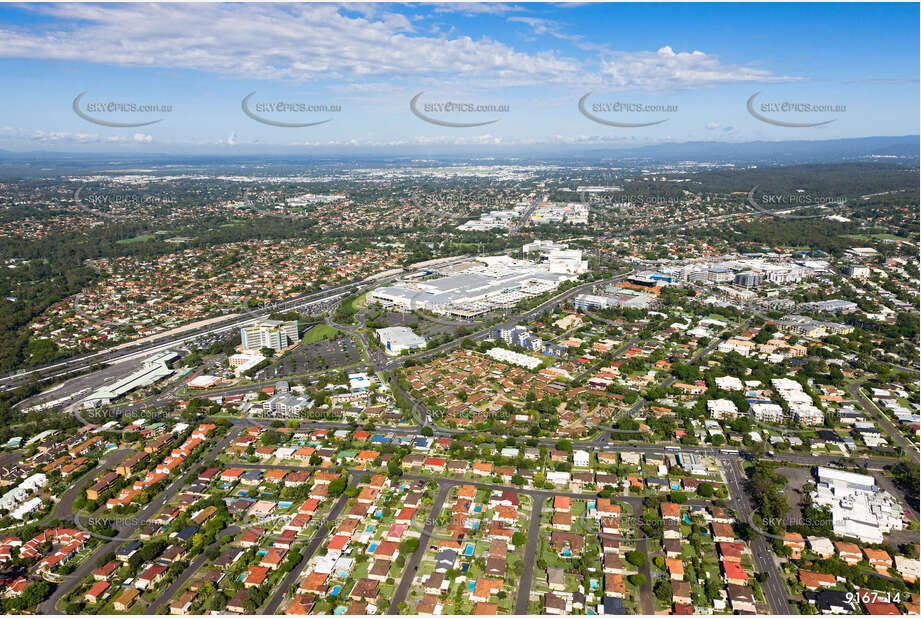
column 335, row 591
column 372, row 547
column 284, row 504
column 471, row 586
column 468, row 549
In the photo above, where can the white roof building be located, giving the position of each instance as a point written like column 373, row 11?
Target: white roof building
column 722, row 408
column 515, row 358
column 821, row 545
column 767, row 412
column 729, row 383
column 859, row 508
column 396, row 339
column 26, row 508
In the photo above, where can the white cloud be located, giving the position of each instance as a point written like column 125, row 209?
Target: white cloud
column 666, row 69
column 476, row 8
column 266, row 41
column 346, row 45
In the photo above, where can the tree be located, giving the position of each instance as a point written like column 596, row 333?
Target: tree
column 427, row 431
column 705, row 490
column 637, row 579
column 636, row 558
column 336, row 487
column 394, row 468
column 663, row 591
column 519, row 539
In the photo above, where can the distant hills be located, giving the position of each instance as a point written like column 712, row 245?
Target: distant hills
column 902, row 148
column 899, row 149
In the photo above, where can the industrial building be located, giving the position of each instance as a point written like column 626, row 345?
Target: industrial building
column 396, row 339
column 273, row 334
column 153, row 370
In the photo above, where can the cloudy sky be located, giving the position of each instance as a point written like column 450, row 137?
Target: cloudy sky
column 346, row 75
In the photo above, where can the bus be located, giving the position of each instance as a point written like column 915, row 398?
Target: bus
column 672, row 448
column 729, row 451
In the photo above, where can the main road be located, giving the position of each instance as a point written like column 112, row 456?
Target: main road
column 166, row 340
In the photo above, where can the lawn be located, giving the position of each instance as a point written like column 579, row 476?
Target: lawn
column 139, row 238
column 320, row 332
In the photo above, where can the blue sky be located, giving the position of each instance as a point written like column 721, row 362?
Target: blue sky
column 703, row 60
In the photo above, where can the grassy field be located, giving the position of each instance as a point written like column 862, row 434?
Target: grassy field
column 869, row 237
column 320, row 332
column 141, row 238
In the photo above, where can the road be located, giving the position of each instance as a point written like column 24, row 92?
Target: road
column 188, row 572
column 127, row 527
column 306, row 554
column 530, row 557
column 412, row 565
column 910, row 450
column 740, row 499
column 64, row 508
column 647, row 604
column 163, row 342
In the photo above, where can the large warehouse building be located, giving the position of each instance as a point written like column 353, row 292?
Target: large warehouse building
column 479, row 286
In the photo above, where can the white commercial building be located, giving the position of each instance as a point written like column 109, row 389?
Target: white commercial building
column 242, row 363
column 273, row 334
column 490, row 282
column 396, row 339
column 859, row 508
